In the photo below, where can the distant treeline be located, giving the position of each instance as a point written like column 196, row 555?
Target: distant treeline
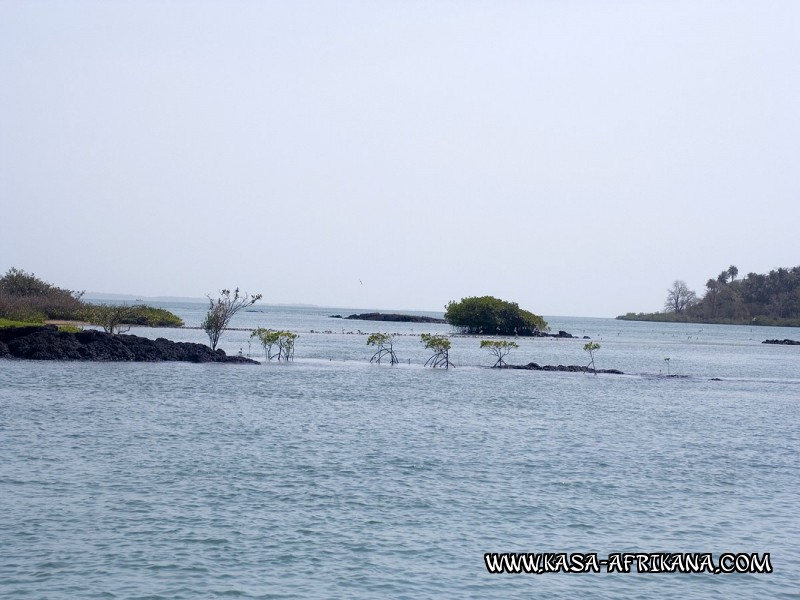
column 771, row 299
column 25, row 298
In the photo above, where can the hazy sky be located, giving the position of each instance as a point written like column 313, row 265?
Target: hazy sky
column 573, row 156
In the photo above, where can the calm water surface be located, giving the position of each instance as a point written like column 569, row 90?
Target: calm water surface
column 334, row 478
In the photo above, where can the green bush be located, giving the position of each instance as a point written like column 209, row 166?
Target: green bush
column 25, row 314
column 490, row 315
column 118, row 318
column 23, row 295
column 150, row 316
column 28, row 299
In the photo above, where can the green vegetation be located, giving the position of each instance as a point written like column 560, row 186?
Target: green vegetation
column 66, row 327
column 771, row 299
column 490, row 315
column 656, row 317
column 269, row 338
column 441, row 350
column 500, row 349
column 150, row 316
column 26, row 298
column 118, row 318
column 286, row 343
column 13, row 323
column 383, row 341
column 222, row 310
column 24, row 315
column 591, row 348
column 114, row 319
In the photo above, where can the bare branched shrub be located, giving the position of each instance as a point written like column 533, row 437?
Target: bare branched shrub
column 222, row 310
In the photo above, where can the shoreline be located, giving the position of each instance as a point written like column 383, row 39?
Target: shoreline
column 46, row 342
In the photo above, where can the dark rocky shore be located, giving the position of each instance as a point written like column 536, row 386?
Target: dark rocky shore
column 568, row 368
column 782, row 342
column 391, row 317
column 47, row 343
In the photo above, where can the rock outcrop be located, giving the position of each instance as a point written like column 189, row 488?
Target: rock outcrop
column 568, row 368
column 783, row 342
column 47, row 343
column 561, row 334
column 393, row 317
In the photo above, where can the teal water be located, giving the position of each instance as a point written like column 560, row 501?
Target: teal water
column 333, row 478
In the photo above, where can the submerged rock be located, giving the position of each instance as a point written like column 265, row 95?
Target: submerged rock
column 567, row 368
column 561, row 334
column 394, row 317
column 47, row 343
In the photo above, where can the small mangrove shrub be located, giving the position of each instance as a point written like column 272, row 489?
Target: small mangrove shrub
column 383, row 342
column 500, row 349
column 591, row 348
column 282, row 341
column 440, row 345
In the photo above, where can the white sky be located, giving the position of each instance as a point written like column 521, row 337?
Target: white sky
column 573, row 156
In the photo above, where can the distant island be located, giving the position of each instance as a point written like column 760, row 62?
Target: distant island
column 393, row 317
column 484, row 315
column 756, row 299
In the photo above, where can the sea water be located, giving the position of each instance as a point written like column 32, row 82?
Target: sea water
column 330, row 477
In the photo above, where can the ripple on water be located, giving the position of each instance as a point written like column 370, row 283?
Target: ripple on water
column 340, row 481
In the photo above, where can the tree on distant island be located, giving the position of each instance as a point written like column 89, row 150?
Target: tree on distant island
column 490, row 315
column 222, row 310
column 500, row 349
column 757, row 299
column 440, row 345
column 383, row 341
column 679, row 297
